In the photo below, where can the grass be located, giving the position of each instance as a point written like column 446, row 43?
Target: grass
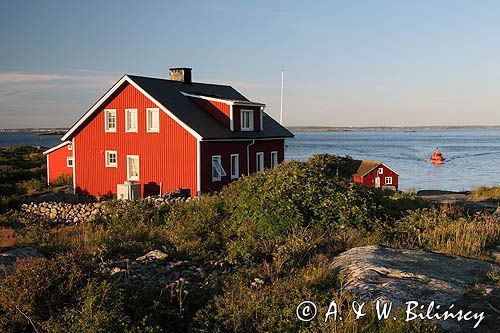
column 22, row 173
column 446, row 229
column 485, row 193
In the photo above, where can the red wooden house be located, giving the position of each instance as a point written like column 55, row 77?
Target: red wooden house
column 168, row 134
column 59, row 161
column 375, row 174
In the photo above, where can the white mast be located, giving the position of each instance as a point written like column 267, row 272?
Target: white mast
column 281, row 108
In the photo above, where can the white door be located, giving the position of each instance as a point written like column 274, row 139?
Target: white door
column 377, row 182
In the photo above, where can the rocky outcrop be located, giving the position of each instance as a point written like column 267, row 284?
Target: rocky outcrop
column 399, row 276
column 155, row 270
column 8, row 257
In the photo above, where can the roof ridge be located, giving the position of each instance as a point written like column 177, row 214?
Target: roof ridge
column 168, row 80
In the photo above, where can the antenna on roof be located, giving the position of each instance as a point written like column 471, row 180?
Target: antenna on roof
column 281, row 104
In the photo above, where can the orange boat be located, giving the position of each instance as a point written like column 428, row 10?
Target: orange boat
column 437, row 157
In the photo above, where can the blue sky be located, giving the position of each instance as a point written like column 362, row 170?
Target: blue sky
column 347, row 63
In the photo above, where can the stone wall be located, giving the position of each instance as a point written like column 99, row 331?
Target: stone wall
column 74, row 213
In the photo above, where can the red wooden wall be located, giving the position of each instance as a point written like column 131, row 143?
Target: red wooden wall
column 369, row 179
column 221, row 111
column 237, row 117
column 167, row 158
column 57, row 163
column 225, row 149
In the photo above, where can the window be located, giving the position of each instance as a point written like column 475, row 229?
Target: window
column 111, row 159
column 259, row 163
column 69, row 162
column 70, row 147
column 246, row 120
column 274, row 159
column 388, row 180
column 131, row 120
column 132, row 167
column 110, row 121
column 153, row 120
column 217, row 169
column 235, row 166
column 380, row 171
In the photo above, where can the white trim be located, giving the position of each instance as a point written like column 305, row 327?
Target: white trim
column 70, row 147
column 69, row 158
column 128, row 129
column 148, row 116
column 257, row 154
column 237, row 167
column 222, row 100
column 106, row 154
column 138, row 168
column 248, row 156
column 390, row 169
column 388, row 182
column 106, row 121
column 378, row 166
column 110, row 92
column 247, row 139
column 275, row 153
column 262, row 118
column 222, row 172
column 380, row 171
column 48, row 151
column 48, row 173
column 231, row 118
column 74, row 166
column 168, row 112
column 198, row 167
column 251, row 120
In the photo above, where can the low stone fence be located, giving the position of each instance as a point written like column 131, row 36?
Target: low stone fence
column 74, row 213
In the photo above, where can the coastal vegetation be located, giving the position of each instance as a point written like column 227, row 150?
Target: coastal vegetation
column 485, row 193
column 275, row 232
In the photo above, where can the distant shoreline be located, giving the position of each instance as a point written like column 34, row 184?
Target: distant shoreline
column 60, row 131
column 389, row 128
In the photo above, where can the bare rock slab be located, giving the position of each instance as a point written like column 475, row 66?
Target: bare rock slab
column 399, row 276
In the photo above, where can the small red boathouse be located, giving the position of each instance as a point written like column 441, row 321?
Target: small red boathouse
column 375, row 174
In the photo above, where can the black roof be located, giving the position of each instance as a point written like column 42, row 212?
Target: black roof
column 169, row 94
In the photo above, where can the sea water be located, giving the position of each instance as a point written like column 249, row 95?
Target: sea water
column 472, row 156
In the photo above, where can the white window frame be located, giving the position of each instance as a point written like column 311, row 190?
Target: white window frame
column 108, row 129
column 107, row 159
column 380, row 171
column 250, row 120
column 274, row 159
column 70, row 147
column 217, row 165
column 235, row 173
column 128, row 129
column 149, row 115
column 388, row 180
column 138, row 168
column 259, row 156
column 69, row 161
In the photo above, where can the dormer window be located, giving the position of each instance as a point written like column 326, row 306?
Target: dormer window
column 247, row 120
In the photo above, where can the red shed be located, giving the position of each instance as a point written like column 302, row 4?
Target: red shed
column 59, row 161
column 168, row 134
column 375, row 174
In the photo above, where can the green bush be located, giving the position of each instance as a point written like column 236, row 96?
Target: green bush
column 38, row 290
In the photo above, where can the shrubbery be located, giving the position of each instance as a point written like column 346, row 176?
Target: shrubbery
column 278, row 231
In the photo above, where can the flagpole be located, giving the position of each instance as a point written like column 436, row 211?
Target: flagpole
column 281, row 106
